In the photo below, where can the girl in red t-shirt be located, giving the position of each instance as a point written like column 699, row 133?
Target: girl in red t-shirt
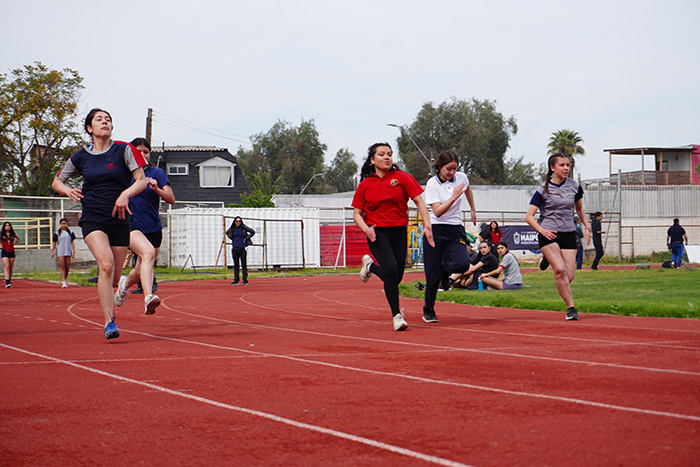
column 381, row 211
column 9, row 238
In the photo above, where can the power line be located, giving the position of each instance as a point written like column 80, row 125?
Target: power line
column 196, row 127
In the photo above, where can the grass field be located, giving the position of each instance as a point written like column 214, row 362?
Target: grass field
column 647, row 292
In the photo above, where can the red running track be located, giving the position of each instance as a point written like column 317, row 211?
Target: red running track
column 308, row 371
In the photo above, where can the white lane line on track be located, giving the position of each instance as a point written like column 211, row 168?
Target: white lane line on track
column 404, row 376
column 268, row 416
column 481, row 331
column 456, row 349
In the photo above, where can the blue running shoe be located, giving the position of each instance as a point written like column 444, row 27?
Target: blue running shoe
column 111, row 331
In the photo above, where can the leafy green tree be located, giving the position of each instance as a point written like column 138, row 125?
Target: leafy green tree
column 257, row 199
column 568, row 143
column 38, row 126
column 521, row 173
column 340, row 174
column 474, row 129
column 289, row 154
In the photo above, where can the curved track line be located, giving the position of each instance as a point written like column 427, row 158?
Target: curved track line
column 415, row 378
column 481, row 331
column 275, row 418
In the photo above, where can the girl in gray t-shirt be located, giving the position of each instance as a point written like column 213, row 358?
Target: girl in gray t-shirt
column 512, row 279
column 556, row 200
column 63, row 245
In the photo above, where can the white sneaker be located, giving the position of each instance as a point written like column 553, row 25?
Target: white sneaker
column 151, row 302
column 399, row 322
column 365, row 274
column 121, row 293
column 64, row 285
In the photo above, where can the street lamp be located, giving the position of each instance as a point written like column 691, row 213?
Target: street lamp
column 400, row 127
column 309, row 182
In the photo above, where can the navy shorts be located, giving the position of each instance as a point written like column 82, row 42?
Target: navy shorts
column 565, row 240
column 118, row 234
column 7, row 254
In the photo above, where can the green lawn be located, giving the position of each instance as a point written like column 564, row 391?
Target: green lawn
column 648, row 292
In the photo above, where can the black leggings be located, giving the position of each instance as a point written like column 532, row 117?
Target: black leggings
column 389, row 249
column 450, row 239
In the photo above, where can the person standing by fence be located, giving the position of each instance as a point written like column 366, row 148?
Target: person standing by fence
column 381, row 211
column 63, row 245
column 8, row 238
column 674, row 240
column 597, row 229
column 240, row 235
column 556, row 199
column 107, row 168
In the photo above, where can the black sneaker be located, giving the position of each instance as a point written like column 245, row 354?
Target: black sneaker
column 234, row 283
column 429, row 316
column 572, row 314
column 155, row 285
column 544, row 264
column 245, row 281
column 138, row 289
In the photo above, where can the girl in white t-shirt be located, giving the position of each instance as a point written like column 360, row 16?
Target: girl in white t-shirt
column 443, row 193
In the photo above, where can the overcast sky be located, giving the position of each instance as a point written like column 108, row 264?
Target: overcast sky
column 620, row 73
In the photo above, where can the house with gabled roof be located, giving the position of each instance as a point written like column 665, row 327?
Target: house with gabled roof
column 202, row 173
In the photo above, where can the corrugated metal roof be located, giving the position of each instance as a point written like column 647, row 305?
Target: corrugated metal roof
column 187, row 148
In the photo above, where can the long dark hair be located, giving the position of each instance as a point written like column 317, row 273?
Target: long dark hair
column 368, row 168
column 91, row 116
column 444, row 158
column 136, row 142
column 550, row 162
column 59, row 224
column 503, row 243
column 497, row 229
column 12, row 231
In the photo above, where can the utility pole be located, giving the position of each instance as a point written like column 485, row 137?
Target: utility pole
column 149, row 125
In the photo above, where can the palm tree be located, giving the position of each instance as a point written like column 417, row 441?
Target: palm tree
column 566, row 142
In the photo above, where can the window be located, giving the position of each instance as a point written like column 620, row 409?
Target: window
column 215, row 176
column 178, row 169
column 216, row 172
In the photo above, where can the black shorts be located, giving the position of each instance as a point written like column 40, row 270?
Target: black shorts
column 156, row 238
column 565, row 240
column 118, row 234
column 7, row 254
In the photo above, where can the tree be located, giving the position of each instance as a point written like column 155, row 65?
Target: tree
column 38, row 110
column 257, row 199
column 521, row 173
column 340, row 175
column 289, row 154
column 568, row 143
column 474, row 129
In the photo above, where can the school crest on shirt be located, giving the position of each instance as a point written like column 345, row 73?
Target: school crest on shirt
column 394, row 182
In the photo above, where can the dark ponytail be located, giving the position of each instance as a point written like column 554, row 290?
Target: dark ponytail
column 368, row 168
column 550, row 162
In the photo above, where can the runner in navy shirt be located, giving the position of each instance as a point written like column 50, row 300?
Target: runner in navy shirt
column 146, row 231
column 107, row 168
column 556, row 200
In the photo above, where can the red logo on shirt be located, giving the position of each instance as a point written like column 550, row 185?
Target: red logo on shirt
column 111, row 166
column 394, row 182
